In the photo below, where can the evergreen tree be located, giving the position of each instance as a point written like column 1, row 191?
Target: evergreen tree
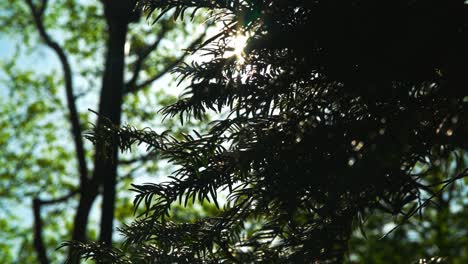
column 335, row 109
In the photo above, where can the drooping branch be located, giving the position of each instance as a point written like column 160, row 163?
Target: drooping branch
column 37, row 14
column 137, row 87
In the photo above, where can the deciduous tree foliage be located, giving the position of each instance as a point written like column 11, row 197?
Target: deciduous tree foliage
column 332, row 106
column 90, row 56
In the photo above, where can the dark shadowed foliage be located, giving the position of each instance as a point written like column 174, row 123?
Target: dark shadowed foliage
column 336, row 110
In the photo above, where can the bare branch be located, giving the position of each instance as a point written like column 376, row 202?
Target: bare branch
column 59, row 199
column 142, row 56
column 74, row 119
column 138, row 87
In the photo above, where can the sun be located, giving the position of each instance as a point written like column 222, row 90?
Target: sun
column 239, row 43
column 237, row 46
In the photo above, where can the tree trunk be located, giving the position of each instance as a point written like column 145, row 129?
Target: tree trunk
column 110, row 107
column 87, row 196
column 117, row 17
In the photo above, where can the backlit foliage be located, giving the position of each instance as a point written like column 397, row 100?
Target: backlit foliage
column 331, row 106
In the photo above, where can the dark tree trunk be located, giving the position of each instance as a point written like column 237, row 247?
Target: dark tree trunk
column 38, row 242
column 88, row 193
column 110, row 106
column 117, row 17
column 87, row 196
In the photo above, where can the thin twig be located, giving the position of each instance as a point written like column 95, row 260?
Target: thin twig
column 74, row 119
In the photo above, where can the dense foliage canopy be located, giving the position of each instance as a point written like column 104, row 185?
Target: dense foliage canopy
column 334, row 110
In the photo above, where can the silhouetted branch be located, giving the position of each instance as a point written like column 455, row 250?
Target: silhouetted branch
column 140, row 86
column 60, row 199
column 74, row 118
column 42, row 7
column 138, row 159
column 142, row 56
column 38, row 240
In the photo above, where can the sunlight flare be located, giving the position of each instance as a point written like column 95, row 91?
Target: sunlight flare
column 237, row 46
